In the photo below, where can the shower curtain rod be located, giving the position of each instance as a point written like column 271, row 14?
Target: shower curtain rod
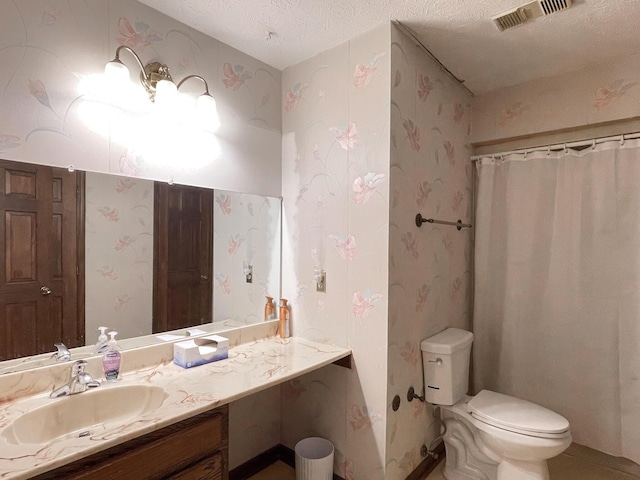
column 562, row 146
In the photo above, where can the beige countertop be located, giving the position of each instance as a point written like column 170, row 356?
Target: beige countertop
column 251, row 367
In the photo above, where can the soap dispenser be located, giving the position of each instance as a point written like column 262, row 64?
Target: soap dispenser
column 269, row 309
column 283, row 328
column 111, row 359
column 101, row 344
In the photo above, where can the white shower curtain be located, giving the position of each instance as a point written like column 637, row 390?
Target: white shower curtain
column 557, row 287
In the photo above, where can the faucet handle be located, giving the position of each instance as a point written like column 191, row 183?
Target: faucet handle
column 78, row 367
column 63, row 354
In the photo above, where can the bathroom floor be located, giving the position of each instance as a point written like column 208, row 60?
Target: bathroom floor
column 564, row 467
column 567, row 467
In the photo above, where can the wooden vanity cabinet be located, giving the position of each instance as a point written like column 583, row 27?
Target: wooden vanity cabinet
column 193, row 449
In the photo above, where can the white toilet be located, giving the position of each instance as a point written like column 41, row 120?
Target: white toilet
column 490, row 436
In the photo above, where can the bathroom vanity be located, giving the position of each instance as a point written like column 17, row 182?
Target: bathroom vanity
column 159, row 421
column 196, row 448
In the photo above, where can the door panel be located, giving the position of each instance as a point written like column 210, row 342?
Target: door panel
column 183, row 236
column 38, row 242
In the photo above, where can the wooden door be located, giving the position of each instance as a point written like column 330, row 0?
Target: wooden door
column 183, row 243
column 39, row 291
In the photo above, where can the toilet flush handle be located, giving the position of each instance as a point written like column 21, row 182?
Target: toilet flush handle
column 437, row 361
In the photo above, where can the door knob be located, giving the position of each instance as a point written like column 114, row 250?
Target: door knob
column 45, row 290
column 204, row 277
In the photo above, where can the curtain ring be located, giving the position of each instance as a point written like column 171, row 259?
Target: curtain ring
column 593, row 147
column 525, row 153
column 622, row 139
column 565, row 149
column 548, row 150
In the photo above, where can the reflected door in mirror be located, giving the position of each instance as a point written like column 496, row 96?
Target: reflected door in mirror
column 183, row 236
column 39, row 231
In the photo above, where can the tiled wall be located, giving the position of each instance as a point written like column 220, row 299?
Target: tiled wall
column 336, row 189
column 596, row 94
column 51, row 50
column 429, row 267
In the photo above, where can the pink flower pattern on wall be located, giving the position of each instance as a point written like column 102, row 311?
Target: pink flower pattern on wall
column 39, row 92
column 605, row 95
column 234, row 243
column 344, row 245
column 413, row 134
column 294, row 96
column 411, row 244
column 224, row 202
column 424, row 87
column 139, row 35
column 8, row 141
column 108, row 272
column 223, row 283
column 123, row 242
column 109, row 213
column 235, row 76
column 411, row 354
column 361, row 419
column 512, row 113
column 346, row 138
column 293, row 389
column 362, row 73
column 458, row 112
column 363, row 303
column 421, row 297
column 451, row 152
column 423, row 189
column 363, row 188
column 123, row 185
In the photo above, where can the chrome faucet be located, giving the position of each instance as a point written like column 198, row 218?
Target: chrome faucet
column 63, row 354
column 79, row 381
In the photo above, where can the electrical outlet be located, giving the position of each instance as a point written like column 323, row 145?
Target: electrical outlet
column 321, row 282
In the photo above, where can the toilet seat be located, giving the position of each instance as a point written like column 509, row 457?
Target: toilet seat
column 516, row 415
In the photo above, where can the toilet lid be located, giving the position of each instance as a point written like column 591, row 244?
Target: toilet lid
column 509, row 413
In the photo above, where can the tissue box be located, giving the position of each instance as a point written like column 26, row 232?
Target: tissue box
column 199, row 351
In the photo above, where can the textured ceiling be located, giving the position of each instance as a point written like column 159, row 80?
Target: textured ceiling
column 460, row 33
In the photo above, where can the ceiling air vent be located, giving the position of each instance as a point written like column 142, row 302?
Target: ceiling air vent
column 551, row 6
column 522, row 14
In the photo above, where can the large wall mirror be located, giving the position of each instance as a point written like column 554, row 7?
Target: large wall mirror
column 82, row 250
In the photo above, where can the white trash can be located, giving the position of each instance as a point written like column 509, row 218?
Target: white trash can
column 314, row 459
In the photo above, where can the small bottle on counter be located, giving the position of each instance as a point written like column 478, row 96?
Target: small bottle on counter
column 283, row 328
column 269, row 310
column 111, row 359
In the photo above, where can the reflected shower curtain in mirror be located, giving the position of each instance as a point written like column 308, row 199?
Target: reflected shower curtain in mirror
column 557, row 287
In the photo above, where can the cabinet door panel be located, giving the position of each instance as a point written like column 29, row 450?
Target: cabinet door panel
column 208, row 469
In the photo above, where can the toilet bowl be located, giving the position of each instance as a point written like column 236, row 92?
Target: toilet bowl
column 490, row 436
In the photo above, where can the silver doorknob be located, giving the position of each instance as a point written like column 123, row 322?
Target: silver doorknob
column 204, row 277
column 45, row 290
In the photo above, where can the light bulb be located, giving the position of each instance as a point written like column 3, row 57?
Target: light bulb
column 207, row 113
column 116, row 72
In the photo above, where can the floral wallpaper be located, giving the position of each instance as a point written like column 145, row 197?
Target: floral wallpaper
column 119, row 255
column 246, row 233
column 597, row 94
column 373, row 133
column 56, row 111
column 429, row 267
column 335, row 200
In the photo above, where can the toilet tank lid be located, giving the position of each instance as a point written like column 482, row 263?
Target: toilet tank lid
column 448, row 341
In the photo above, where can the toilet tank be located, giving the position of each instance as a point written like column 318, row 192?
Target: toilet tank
column 445, row 358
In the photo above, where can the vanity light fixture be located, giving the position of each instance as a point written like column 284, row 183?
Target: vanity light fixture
column 162, row 90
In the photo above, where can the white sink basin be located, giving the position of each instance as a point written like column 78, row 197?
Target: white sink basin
column 75, row 415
